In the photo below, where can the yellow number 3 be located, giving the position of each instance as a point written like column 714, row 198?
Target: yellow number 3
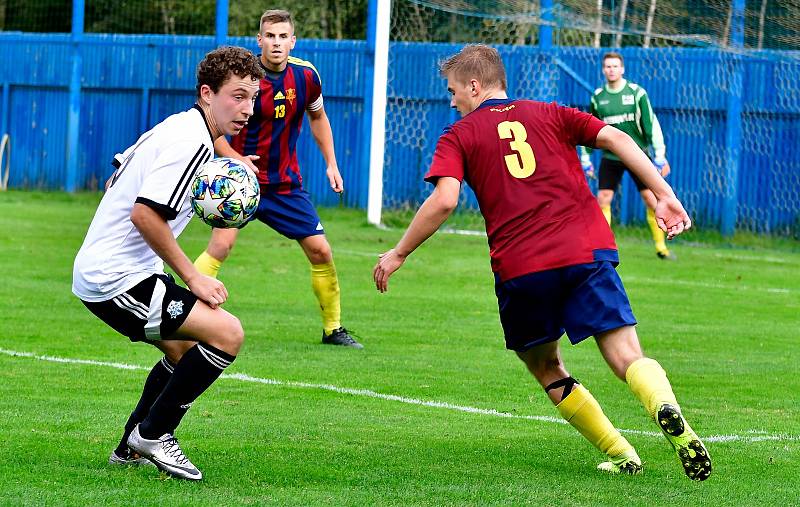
column 523, row 165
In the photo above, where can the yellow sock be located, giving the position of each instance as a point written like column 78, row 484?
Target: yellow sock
column 606, row 213
column 582, row 411
column 658, row 234
column 648, row 381
column 326, row 287
column 207, row 264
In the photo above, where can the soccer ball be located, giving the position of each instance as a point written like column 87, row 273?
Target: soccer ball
column 225, row 193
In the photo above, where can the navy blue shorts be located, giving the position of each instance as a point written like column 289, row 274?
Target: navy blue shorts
column 292, row 215
column 583, row 300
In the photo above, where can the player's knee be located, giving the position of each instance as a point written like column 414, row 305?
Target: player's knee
column 220, row 249
column 320, row 254
column 229, row 335
column 604, row 197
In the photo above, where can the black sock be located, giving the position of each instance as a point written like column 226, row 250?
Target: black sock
column 155, row 383
column 199, row 367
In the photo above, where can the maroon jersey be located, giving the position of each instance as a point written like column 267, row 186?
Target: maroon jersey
column 272, row 131
column 519, row 157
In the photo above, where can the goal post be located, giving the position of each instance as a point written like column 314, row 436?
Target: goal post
column 378, row 41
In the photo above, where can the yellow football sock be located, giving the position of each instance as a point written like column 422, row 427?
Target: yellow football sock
column 582, row 411
column 606, row 213
column 648, row 381
column 207, row 264
column 655, row 230
column 326, row 287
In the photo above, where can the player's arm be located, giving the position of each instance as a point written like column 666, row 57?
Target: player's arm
column 430, row 216
column 651, row 129
column 155, row 231
column 670, row 215
column 323, row 135
column 224, row 149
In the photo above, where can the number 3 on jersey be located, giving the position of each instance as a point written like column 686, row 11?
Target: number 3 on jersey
column 523, row 163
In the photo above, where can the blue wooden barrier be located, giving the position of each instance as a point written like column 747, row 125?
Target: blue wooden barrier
column 131, row 82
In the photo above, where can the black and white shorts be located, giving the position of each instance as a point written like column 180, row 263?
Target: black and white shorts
column 151, row 310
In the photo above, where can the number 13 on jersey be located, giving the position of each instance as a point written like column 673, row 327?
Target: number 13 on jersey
column 523, row 163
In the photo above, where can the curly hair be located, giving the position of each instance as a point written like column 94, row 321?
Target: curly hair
column 218, row 65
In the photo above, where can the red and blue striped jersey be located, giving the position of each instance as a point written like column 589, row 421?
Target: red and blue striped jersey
column 272, row 131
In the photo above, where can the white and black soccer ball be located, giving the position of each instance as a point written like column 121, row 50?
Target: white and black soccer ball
column 225, row 193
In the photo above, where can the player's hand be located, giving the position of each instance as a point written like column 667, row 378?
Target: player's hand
column 663, row 167
column 208, row 289
column 671, row 217
column 335, row 179
column 248, row 161
column 388, row 263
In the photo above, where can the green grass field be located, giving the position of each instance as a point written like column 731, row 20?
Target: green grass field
column 434, row 411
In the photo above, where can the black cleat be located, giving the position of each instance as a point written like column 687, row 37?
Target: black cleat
column 128, row 457
column 690, row 450
column 340, row 336
column 666, row 255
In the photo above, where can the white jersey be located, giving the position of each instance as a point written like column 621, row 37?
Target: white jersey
column 156, row 171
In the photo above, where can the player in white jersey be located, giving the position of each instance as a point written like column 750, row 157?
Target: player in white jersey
column 119, row 270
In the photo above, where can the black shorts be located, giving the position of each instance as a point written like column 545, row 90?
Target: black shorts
column 611, row 172
column 151, row 310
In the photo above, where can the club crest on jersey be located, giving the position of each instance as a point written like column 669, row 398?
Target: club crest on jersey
column 290, row 95
column 627, row 100
column 278, row 96
column 175, row 308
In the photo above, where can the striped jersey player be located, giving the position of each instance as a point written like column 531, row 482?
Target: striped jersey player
column 290, row 90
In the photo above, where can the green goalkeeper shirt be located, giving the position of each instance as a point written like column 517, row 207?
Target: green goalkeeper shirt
column 629, row 110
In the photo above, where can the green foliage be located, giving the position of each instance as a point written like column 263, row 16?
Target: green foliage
column 768, row 23
column 318, row 19
column 722, row 321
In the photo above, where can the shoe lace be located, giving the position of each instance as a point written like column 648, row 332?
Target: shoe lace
column 173, row 450
column 345, row 335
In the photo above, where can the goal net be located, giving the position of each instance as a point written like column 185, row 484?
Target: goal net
column 723, row 83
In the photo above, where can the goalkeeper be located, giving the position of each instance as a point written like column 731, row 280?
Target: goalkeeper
column 625, row 106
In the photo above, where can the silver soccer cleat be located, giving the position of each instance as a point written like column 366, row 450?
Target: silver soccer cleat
column 166, row 454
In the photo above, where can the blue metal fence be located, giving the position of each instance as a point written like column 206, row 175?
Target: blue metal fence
column 131, row 82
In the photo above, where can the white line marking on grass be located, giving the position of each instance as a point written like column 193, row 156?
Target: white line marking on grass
column 358, row 254
column 463, row 232
column 753, row 258
column 752, row 437
column 705, row 285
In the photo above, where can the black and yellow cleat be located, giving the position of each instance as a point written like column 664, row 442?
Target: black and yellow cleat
column 690, row 450
column 666, row 255
column 627, row 467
